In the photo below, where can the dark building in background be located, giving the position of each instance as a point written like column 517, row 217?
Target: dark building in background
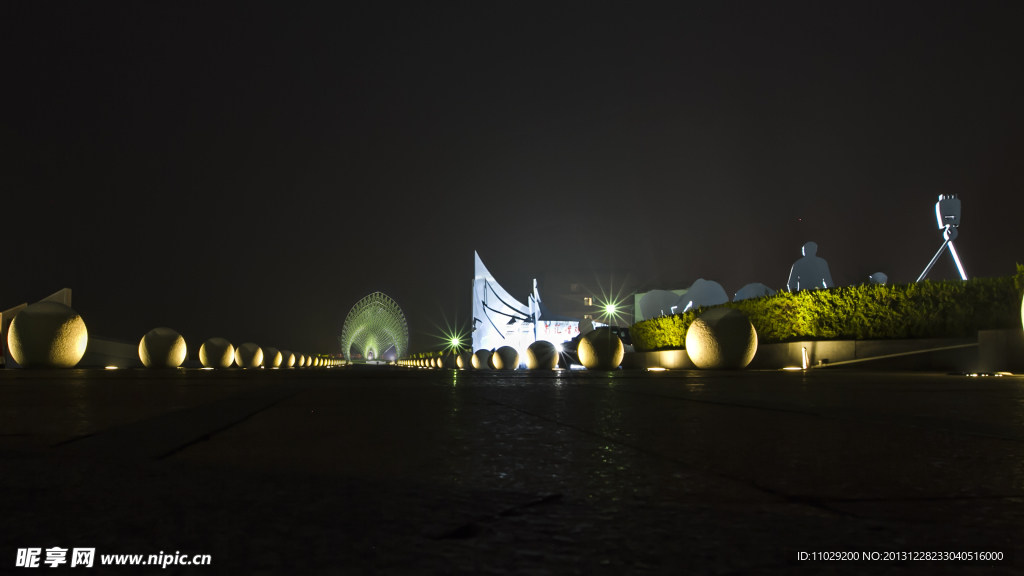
column 584, row 294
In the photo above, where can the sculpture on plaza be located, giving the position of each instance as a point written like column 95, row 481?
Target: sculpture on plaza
column 659, row 303
column 810, row 272
column 374, row 326
column 499, row 319
column 753, row 290
column 947, row 213
column 702, row 293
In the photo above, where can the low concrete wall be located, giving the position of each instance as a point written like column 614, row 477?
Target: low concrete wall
column 1001, row 350
column 101, row 352
column 822, row 353
column 670, row 359
column 775, row 356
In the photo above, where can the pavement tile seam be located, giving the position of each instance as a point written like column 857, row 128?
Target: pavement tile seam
column 824, row 504
column 813, row 502
column 210, row 435
column 165, row 434
column 923, row 422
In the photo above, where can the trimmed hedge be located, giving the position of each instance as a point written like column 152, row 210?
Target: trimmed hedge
column 952, row 309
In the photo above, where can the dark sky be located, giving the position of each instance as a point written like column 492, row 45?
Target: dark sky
column 251, row 172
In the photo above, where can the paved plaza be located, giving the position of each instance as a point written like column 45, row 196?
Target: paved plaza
column 365, row 470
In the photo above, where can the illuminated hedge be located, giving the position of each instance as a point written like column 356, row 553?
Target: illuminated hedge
column 374, row 325
column 953, row 309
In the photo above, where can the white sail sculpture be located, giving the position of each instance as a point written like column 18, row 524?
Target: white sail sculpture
column 501, row 320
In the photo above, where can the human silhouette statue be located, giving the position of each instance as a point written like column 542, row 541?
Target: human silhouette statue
column 809, row 272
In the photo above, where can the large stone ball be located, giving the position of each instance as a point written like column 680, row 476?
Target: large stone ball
column 465, row 360
column 541, row 355
column 505, row 358
column 217, row 353
column 301, row 361
column 482, row 360
column 47, row 335
column 1021, row 312
column 248, row 355
column 601, row 349
column 272, row 357
column 721, row 339
column 451, row 362
column 162, row 348
column 287, row 359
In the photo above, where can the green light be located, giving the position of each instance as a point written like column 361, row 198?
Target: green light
column 610, row 309
column 455, row 342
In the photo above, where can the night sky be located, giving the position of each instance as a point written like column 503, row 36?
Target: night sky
column 251, row 172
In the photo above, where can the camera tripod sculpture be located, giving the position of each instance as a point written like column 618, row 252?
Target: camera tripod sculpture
column 947, row 212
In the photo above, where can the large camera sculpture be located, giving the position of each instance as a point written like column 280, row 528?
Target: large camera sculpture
column 947, row 212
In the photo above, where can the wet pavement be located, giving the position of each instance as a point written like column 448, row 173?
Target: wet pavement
column 405, row 471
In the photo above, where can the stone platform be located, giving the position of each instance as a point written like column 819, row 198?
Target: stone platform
column 404, row 471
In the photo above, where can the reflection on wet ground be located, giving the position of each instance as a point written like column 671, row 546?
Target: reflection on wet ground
column 416, row 471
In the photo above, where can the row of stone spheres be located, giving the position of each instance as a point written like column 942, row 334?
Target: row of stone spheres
column 165, row 348
column 52, row 335
column 720, row 339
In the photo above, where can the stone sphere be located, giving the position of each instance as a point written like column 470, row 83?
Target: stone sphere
column 505, row 358
column 451, row 362
column 287, row 359
column 248, row 355
column 302, row 360
column 217, row 353
column 47, row 335
column 541, row 355
column 721, row 339
column 272, row 357
column 601, row 349
column 162, row 348
column 482, row 360
column 465, row 360
column 1021, row 312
